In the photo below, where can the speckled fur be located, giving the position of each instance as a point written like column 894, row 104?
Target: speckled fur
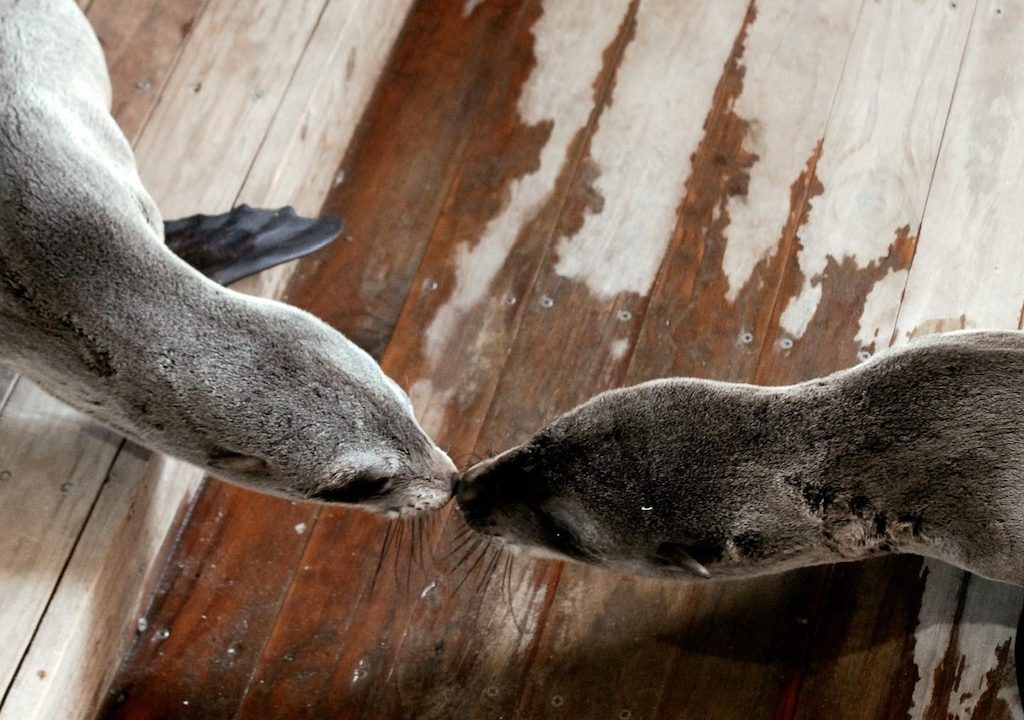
column 95, row 309
column 919, row 450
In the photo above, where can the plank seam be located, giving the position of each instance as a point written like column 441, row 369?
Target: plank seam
column 5, row 398
column 60, row 576
column 182, row 47
column 931, row 180
column 812, row 172
column 284, row 94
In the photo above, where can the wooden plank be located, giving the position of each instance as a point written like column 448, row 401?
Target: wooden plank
column 392, row 184
column 513, row 148
column 219, row 102
column 319, row 114
column 439, row 78
column 95, row 610
column 52, row 464
column 841, row 294
column 142, row 42
column 57, row 644
column 958, row 647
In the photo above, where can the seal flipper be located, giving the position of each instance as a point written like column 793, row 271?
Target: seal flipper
column 243, row 242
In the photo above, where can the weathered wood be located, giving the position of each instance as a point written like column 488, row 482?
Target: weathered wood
column 393, row 182
column 142, row 42
column 52, row 464
column 319, row 114
column 954, row 653
column 74, row 649
column 218, row 103
column 439, row 64
column 96, row 609
column 195, row 616
column 504, row 150
column 838, row 301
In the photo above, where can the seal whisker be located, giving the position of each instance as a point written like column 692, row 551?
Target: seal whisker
column 484, row 547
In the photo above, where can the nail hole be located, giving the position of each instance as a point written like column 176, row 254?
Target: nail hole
column 786, row 343
column 143, row 85
column 864, row 355
column 547, row 302
column 431, row 284
column 558, row 701
column 491, row 692
column 747, row 338
column 163, row 634
column 625, row 315
column 625, row 715
column 510, row 299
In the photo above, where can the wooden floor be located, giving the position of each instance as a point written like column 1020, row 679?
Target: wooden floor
column 545, row 199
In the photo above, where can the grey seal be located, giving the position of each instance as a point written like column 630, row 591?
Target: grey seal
column 918, row 450
column 97, row 311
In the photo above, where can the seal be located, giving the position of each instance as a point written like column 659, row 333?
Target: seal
column 918, row 450
column 97, row 310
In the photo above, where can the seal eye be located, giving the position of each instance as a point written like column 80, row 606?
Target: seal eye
column 357, row 490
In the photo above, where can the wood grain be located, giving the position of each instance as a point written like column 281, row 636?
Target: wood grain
column 52, row 465
column 75, row 643
column 459, row 74
column 142, row 42
column 546, row 200
column 95, row 611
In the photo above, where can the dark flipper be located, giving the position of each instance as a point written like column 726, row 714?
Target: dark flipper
column 246, row 240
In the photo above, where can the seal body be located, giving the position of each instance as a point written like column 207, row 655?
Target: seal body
column 919, row 450
column 95, row 309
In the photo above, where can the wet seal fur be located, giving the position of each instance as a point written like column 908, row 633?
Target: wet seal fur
column 918, row 450
column 101, row 314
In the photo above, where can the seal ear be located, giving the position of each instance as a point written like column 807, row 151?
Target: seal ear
column 223, row 459
column 677, row 555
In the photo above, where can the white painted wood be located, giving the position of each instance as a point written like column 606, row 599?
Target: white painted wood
column 967, row 273
column 788, row 94
column 319, row 114
column 95, row 612
column 568, row 46
column 643, row 144
column 972, row 241
column 219, row 102
column 52, row 464
column 880, row 150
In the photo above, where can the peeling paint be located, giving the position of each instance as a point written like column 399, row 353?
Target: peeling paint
column 646, row 155
column 546, row 98
column 778, row 133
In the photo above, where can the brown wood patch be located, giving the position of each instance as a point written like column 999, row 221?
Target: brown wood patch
column 142, row 42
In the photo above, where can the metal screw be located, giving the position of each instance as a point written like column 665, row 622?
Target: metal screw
column 547, row 302
column 625, row 315
column 786, row 343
